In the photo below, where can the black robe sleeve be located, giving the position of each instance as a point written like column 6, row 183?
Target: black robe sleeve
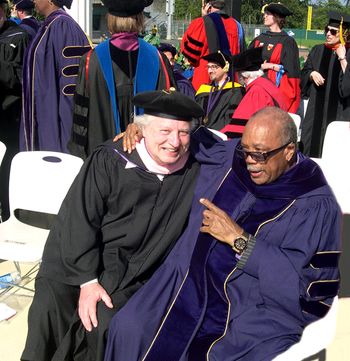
column 76, row 234
column 309, row 67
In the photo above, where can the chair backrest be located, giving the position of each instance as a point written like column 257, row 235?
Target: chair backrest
column 336, row 140
column 337, row 146
column 2, row 151
column 39, row 180
column 338, row 177
column 219, row 134
column 297, row 121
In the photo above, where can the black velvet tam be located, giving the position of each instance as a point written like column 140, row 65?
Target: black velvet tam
column 218, row 58
column 126, row 8
column 248, row 60
column 61, row 3
column 168, row 104
column 167, row 47
column 278, row 9
column 23, row 4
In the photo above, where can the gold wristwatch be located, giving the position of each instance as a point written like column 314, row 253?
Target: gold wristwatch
column 240, row 243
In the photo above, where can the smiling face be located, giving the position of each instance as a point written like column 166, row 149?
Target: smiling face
column 263, row 134
column 167, row 140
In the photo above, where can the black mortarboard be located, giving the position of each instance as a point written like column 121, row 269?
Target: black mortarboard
column 126, row 8
column 23, row 4
column 168, row 104
column 167, row 47
column 248, row 60
column 218, row 58
column 335, row 19
column 278, row 9
column 61, row 3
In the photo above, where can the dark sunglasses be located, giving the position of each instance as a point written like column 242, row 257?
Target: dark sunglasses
column 259, row 157
column 332, row 31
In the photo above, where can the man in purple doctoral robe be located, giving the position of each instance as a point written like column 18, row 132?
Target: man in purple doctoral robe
column 256, row 264
column 24, row 10
column 50, row 71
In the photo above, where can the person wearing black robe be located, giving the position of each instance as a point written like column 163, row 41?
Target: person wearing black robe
column 13, row 42
column 220, row 98
column 118, row 222
column 183, row 84
column 111, row 74
column 257, row 263
column 325, row 82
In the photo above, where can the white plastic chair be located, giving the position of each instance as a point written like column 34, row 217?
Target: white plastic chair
column 219, row 134
column 335, row 155
column 316, row 337
column 297, row 121
column 2, row 151
column 336, row 141
column 39, row 181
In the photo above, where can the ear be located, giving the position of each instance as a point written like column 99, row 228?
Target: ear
column 290, row 151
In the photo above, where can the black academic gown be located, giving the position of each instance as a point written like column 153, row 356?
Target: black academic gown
column 224, row 102
column 116, row 224
column 93, row 119
column 326, row 103
column 13, row 42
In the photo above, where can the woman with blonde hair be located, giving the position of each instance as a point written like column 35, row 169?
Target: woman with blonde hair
column 112, row 74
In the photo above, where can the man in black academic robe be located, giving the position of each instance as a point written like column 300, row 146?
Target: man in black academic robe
column 111, row 74
column 118, row 222
column 221, row 97
column 13, row 42
column 329, row 99
column 24, row 10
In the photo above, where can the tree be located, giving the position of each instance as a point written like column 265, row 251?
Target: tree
column 184, row 8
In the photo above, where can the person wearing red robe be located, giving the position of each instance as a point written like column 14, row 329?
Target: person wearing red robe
column 214, row 31
column 260, row 92
column 280, row 54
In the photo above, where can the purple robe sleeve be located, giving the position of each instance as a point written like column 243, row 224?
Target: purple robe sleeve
column 300, row 274
column 58, row 62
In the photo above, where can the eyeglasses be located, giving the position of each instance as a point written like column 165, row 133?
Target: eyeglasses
column 213, row 67
column 332, row 31
column 259, row 157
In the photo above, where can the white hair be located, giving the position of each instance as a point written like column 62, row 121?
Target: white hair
column 145, row 119
column 252, row 74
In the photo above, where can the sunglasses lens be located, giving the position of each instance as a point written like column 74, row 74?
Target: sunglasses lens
column 257, row 157
column 332, row 31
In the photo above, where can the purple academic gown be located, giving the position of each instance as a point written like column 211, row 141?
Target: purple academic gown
column 30, row 25
column 50, row 71
column 202, row 304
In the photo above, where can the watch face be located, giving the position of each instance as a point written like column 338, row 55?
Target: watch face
column 240, row 244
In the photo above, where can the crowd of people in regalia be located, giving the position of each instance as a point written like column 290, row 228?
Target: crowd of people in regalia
column 198, row 227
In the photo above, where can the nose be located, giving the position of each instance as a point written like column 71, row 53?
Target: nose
column 250, row 160
column 174, row 139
